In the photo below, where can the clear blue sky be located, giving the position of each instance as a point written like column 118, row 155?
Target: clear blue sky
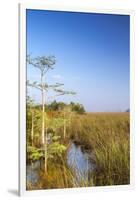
column 92, row 52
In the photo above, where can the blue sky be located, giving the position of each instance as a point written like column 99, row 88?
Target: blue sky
column 92, row 53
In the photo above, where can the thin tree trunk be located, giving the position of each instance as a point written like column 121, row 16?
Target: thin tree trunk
column 64, row 126
column 32, row 128
column 46, row 152
column 43, row 112
column 44, row 135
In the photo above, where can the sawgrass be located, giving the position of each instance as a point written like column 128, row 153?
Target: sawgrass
column 107, row 136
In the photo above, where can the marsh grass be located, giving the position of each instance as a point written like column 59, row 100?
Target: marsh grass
column 59, row 176
column 107, row 136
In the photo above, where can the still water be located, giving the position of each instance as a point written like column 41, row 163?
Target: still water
column 32, row 172
column 78, row 160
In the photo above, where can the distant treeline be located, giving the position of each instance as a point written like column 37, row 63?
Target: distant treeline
column 59, row 106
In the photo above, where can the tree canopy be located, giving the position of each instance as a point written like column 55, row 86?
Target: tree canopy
column 59, row 106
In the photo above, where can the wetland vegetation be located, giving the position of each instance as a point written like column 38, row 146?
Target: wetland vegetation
column 69, row 147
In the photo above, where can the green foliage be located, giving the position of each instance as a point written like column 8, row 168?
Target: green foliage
column 31, row 111
column 59, row 106
column 56, row 106
column 55, row 148
column 56, row 137
column 54, row 123
column 33, row 153
column 78, row 108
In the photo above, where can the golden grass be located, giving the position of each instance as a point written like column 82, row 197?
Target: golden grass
column 107, row 135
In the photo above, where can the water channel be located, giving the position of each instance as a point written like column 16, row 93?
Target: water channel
column 80, row 161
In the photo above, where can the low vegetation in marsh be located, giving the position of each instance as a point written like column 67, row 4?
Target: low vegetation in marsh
column 107, row 135
column 50, row 128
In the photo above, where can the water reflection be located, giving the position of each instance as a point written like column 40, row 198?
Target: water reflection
column 32, row 172
column 81, row 162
